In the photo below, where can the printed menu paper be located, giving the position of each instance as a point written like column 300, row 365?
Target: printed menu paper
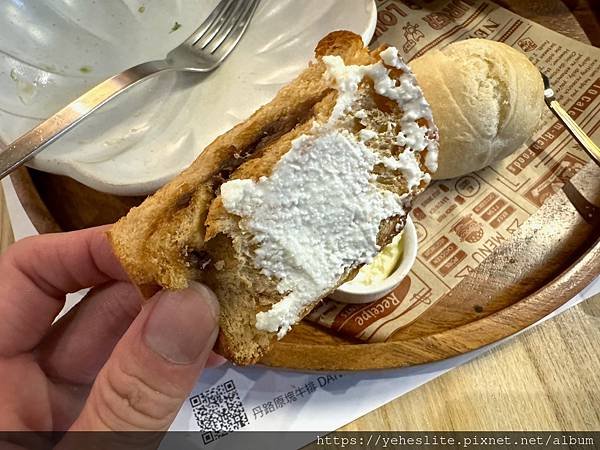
column 461, row 221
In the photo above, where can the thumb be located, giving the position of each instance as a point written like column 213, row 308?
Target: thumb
column 155, row 365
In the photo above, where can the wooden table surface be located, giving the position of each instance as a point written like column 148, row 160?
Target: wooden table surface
column 545, row 379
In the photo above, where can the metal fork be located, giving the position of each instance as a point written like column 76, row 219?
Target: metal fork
column 203, row 51
column 580, row 136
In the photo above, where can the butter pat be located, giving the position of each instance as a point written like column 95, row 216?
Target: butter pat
column 382, row 266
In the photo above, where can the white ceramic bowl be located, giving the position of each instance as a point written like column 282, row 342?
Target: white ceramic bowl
column 356, row 293
column 51, row 51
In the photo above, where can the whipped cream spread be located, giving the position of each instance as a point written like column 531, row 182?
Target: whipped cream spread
column 318, row 214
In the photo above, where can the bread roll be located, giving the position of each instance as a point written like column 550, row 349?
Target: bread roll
column 487, row 100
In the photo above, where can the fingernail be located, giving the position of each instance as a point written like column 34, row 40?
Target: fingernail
column 205, row 292
column 183, row 325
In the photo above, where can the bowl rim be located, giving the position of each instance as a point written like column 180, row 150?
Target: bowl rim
column 408, row 257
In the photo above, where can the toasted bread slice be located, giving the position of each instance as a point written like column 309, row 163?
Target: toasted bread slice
column 225, row 220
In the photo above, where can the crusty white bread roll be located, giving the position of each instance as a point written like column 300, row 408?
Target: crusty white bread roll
column 487, row 100
column 280, row 210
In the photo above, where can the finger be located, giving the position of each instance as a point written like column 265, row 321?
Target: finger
column 36, row 274
column 65, row 400
column 90, row 330
column 155, row 365
column 215, row 360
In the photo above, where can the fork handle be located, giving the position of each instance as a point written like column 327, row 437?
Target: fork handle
column 35, row 140
column 580, row 136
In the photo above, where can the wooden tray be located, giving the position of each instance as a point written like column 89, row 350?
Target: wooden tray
column 554, row 255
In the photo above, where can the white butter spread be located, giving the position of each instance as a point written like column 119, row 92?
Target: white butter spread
column 318, row 214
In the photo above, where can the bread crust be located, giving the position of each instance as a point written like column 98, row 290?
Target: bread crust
column 183, row 232
column 487, row 98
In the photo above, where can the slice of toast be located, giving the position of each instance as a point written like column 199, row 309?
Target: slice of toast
column 255, row 216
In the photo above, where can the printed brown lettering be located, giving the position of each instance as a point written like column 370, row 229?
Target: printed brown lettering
column 487, row 201
column 456, row 9
column 479, row 33
column 435, row 247
column 488, row 247
column 485, row 30
column 501, row 218
column 387, row 18
column 444, row 254
column 515, row 224
column 491, row 25
column 464, row 272
column 495, row 208
column 453, row 10
column 452, row 262
column 437, row 21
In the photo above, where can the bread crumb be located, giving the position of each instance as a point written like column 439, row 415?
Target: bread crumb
column 220, row 265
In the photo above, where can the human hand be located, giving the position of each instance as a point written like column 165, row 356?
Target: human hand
column 109, row 364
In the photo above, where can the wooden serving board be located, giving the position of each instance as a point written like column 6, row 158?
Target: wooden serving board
column 544, row 264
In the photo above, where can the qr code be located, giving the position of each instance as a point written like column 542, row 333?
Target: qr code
column 218, row 411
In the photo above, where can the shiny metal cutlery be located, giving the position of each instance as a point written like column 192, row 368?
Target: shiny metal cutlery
column 202, row 52
column 580, row 136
